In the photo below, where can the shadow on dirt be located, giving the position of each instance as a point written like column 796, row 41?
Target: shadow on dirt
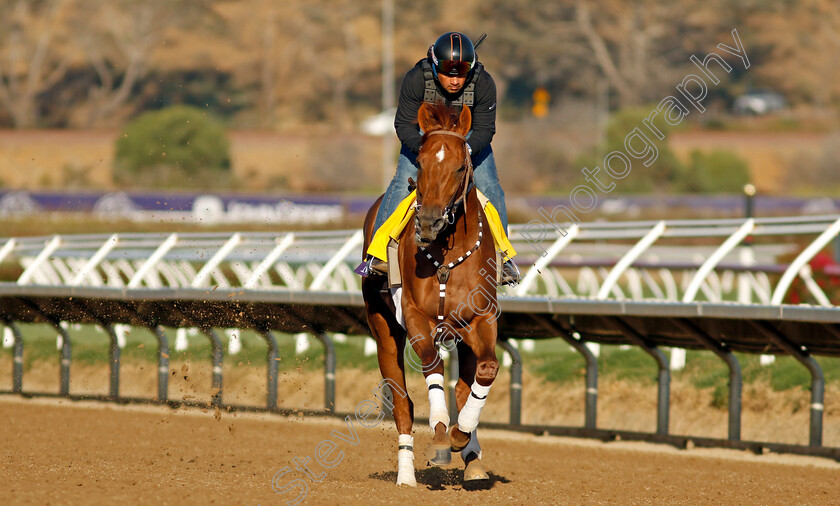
column 436, row 478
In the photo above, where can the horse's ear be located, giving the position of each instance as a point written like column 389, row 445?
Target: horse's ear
column 426, row 118
column 464, row 121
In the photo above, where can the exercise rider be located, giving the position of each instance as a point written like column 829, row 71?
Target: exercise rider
column 452, row 75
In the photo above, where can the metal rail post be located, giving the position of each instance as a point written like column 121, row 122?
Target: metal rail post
column 515, row 382
column 66, row 349
column 114, row 347
column 329, row 371
column 17, row 360
column 591, row 397
column 663, row 403
column 216, row 343
column 163, row 362
column 735, row 381
column 113, row 362
column 801, row 354
column 66, row 354
column 271, row 368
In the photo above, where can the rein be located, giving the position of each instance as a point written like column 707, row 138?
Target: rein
column 443, row 270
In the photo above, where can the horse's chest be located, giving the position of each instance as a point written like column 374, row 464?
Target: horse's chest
column 464, row 295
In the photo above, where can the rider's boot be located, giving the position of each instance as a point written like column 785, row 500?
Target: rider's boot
column 510, row 273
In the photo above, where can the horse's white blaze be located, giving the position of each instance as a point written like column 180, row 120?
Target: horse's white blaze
column 405, row 461
column 440, row 154
column 468, row 417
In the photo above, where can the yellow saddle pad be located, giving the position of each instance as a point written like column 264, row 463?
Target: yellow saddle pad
column 394, row 225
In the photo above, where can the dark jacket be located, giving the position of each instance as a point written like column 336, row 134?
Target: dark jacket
column 483, row 109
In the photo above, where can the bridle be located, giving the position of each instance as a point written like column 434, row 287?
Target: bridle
column 468, row 183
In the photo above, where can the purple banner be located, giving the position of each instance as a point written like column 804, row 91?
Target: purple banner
column 226, row 208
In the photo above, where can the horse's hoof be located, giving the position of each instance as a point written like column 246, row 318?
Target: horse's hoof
column 475, row 471
column 439, row 455
column 458, row 440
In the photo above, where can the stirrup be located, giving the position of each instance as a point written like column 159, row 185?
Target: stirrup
column 510, row 274
column 372, row 267
column 378, row 267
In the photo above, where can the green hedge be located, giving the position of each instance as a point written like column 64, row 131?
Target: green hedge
column 717, row 171
column 176, row 146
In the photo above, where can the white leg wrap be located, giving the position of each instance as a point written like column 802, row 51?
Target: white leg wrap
column 468, row 417
column 437, row 401
column 405, row 461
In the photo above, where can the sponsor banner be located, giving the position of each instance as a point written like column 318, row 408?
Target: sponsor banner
column 197, row 208
column 213, row 209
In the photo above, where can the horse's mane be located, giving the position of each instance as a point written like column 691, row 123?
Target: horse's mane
column 447, row 117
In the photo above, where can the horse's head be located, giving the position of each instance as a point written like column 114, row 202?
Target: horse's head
column 443, row 175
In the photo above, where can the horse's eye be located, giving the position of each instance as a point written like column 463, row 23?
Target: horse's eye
column 460, row 170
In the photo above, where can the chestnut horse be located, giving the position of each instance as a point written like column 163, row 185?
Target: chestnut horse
column 448, row 270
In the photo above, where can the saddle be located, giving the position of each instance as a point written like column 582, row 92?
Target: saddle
column 385, row 243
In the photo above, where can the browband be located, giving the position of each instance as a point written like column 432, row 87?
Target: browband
column 447, row 132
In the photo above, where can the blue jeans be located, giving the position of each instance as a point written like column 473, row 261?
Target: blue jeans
column 484, row 173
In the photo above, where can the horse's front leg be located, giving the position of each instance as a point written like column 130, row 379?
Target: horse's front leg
column 478, row 367
column 431, row 365
column 390, row 343
column 390, row 355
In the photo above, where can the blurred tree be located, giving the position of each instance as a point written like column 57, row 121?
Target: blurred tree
column 267, row 45
column 534, row 43
column 297, row 62
column 35, row 53
column 798, row 44
column 308, row 65
column 335, row 58
column 664, row 170
column 642, row 47
column 118, row 38
column 176, row 146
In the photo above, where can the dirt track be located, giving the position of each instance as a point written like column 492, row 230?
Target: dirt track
column 58, row 451
column 770, row 416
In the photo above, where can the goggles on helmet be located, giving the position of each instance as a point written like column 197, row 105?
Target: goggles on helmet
column 454, row 68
